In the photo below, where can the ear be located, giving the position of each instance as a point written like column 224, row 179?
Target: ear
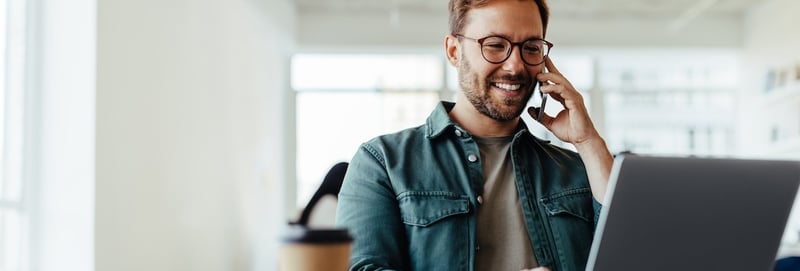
column 452, row 49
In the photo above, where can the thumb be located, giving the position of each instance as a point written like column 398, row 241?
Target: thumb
column 534, row 112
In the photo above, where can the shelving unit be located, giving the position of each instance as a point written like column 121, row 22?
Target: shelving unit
column 779, row 114
column 783, row 95
column 771, row 126
column 670, row 103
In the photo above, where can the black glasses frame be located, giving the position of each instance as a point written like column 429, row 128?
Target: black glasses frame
column 511, row 48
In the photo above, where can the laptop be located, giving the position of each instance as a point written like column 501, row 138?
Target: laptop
column 670, row 213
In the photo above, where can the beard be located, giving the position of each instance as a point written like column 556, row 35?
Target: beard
column 479, row 93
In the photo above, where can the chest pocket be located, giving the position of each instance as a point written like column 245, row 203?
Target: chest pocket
column 575, row 203
column 436, row 227
column 571, row 218
column 424, row 208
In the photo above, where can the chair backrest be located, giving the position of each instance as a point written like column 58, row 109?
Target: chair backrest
column 330, row 187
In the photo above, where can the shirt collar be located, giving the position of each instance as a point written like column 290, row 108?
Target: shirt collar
column 440, row 122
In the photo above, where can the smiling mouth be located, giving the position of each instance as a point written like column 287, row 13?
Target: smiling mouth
column 509, row 87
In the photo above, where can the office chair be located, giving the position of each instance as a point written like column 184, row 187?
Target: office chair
column 330, row 187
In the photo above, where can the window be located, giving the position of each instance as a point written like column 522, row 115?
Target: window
column 677, row 102
column 13, row 215
column 344, row 100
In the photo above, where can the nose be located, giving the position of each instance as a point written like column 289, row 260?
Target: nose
column 514, row 63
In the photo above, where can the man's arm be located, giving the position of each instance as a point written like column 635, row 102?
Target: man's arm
column 598, row 161
column 368, row 208
column 573, row 125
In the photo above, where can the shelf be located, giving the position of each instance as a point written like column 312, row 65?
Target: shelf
column 783, row 95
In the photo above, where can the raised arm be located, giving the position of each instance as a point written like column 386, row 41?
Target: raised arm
column 573, row 125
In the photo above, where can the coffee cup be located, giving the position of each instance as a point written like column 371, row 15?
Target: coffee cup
column 306, row 249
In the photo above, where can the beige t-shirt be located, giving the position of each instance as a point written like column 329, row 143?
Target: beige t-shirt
column 503, row 242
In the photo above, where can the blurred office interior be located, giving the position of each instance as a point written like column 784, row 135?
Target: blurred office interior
column 183, row 135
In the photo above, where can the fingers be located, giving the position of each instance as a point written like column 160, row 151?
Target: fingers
column 553, row 74
column 562, row 93
column 551, row 78
column 550, row 66
column 558, row 87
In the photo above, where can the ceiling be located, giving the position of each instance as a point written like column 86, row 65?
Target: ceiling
column 585, row 9
column 602, row 23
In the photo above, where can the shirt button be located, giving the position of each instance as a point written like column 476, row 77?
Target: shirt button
column 458, row 133
column 480, row 199
column 472, row 158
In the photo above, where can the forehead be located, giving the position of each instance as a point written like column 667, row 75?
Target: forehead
column 514, row 19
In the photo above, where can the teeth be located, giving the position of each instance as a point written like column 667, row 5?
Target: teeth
column 507, row 86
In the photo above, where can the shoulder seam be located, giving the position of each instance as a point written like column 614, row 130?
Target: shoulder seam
column 375, row 153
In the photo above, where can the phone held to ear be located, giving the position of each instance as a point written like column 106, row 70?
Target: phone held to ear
column 544, row 98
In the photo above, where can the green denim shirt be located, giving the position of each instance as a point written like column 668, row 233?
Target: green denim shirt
column 410, row 198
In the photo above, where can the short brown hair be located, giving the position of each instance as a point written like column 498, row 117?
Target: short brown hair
column 459, row 8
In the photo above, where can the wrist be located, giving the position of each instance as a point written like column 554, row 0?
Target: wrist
column 591, row 144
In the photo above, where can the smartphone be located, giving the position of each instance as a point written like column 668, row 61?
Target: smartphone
column 543, row 96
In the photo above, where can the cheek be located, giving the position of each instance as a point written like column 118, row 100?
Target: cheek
column 536, row 70
column 478, row 70
column 483, row 70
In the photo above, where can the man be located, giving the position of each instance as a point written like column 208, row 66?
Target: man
column 472, row 189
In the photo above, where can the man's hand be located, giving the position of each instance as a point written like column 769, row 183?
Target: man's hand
column 572, row 124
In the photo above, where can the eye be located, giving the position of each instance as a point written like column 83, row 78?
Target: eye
column 532, row 48
column 495, row 45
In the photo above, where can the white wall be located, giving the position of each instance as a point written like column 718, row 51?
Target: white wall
column 190, row 131
column 61, row 115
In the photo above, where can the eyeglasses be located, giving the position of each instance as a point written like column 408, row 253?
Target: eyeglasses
column 496, row 49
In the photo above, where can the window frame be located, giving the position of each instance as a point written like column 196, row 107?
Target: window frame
column 443, row 92
column 16, row 128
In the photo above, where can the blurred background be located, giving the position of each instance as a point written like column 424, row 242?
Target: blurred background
column 183, row 135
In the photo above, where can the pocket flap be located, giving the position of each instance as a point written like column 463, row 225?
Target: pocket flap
column 576, row 202
column 423, row 208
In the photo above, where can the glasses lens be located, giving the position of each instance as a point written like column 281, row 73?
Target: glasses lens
column 534, row 51
column 495, row 49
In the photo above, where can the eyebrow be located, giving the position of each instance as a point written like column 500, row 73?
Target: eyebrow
column 509, row 38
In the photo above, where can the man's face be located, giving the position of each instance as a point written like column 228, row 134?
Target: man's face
column 499, row 91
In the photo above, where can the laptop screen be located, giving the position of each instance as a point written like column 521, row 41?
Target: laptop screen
column 670, row 213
